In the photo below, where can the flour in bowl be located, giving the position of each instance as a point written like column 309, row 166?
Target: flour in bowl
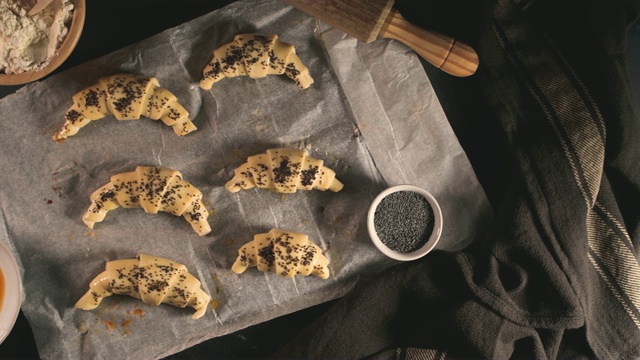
column 29, row 42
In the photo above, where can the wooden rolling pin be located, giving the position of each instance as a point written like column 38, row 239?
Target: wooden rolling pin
column 368, row 20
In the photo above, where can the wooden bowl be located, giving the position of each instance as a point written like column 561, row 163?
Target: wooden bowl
column 67, row 46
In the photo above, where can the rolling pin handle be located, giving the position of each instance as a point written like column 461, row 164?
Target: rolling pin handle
column 452, row 56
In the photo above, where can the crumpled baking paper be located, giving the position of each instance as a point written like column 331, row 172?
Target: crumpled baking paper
column 371, row 115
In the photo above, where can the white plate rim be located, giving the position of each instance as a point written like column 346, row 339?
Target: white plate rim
column 12, row 300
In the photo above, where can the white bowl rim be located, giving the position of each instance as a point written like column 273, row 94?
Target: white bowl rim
column 10, row 307
column 431, row 242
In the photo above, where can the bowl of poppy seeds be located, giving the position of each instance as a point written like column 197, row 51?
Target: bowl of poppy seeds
column 404, row 222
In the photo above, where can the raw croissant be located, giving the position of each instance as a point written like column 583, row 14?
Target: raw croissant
column 284, row 170
column 127, row 97
column 151, row 279
column 286, row 253
column 256, row 56
column 152, row 189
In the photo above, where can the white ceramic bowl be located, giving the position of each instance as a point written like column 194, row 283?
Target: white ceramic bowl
column 429, row 244
column 10, row 291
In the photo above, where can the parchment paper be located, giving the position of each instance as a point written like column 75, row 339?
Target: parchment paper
column 371, row 115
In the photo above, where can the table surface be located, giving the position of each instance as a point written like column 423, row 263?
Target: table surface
column 143, row 22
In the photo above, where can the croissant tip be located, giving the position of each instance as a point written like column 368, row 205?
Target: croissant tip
column 203, row 232
column 238, row 267
column 199, row 313
column 233, row 186
column 336, row 185
column 58, row 139
column 205, row 85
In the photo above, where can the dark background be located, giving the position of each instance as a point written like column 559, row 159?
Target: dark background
column 112, row 25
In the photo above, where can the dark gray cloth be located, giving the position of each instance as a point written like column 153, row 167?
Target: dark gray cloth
column 549, row 125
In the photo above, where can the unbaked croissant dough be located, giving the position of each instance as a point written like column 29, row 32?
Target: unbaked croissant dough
column 151, row 279
column 127, row 97
column 152, row 189
column 284, row 170
column 256, row 56
column 286, row 253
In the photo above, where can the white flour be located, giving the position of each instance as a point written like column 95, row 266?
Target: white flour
column 29, row 42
